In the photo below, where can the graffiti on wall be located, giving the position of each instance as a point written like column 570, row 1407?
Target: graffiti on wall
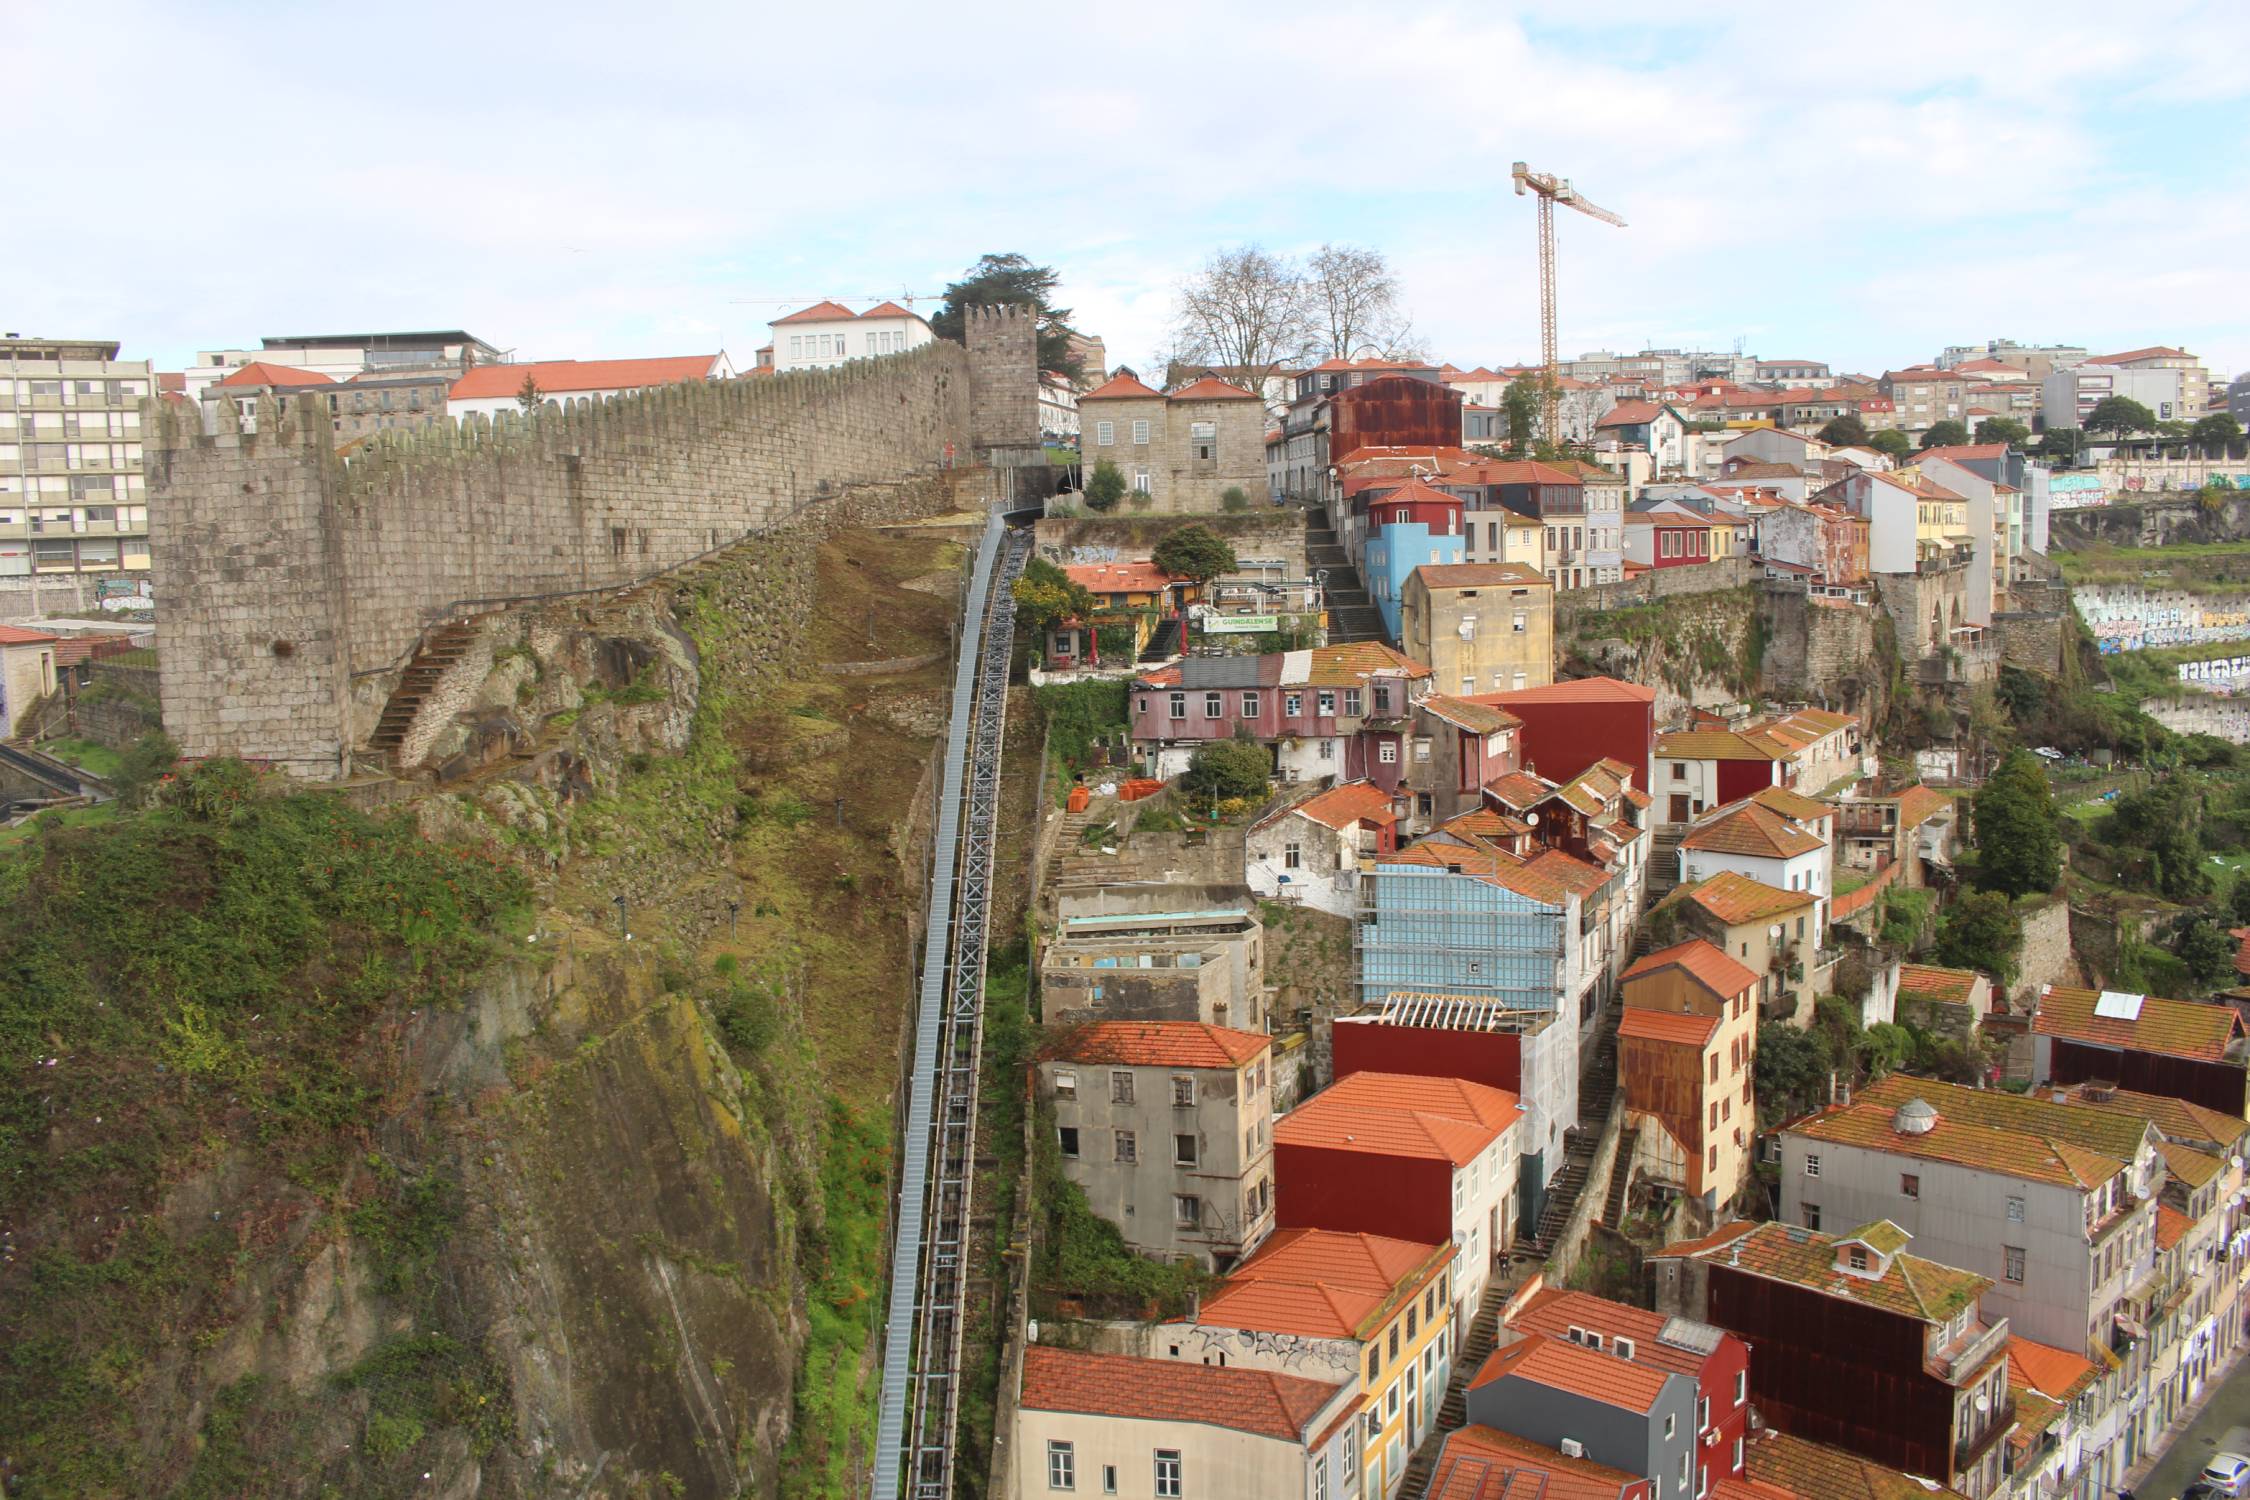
column 2128, row 617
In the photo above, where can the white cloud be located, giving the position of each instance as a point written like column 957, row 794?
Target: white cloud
column 577, row 182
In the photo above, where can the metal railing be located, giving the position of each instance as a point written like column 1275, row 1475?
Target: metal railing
column 930, row 1256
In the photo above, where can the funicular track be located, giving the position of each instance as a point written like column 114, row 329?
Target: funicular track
column 929, row 1257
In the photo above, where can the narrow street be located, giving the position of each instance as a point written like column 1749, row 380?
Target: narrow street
column 2229, row 1406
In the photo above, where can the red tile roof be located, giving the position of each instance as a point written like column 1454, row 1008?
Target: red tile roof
column 2054, row 1373
column 1411, row 491
column 1810, row 1471
column 819, row 312
column 1712, row 744
column 1319, row 1283
column 1122, row 388
column 2171, row 1226
column 1483, row 1463
column 1155, row 1044
column 16, row 635
column 1687, row 1030
column 1554, row 1311
column 1960, row 452
column 1163, row 1390
column 1754, row 832
column 1353, row 802
column 889, row 310
column 2157, row 351
column 1716, row 972
column 1909, row 1286
column 1210, row 388
column 1629, row 414
column 1480, row 575
column 259, row 372
column 1953, row 986
column 1562, row 1365
column 1734, row 898
column 1398, row 1114
column 2176, row 1028
column 562, row 377
column 1140, row 577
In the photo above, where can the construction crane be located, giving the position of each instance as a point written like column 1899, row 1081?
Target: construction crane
column 1552, row 190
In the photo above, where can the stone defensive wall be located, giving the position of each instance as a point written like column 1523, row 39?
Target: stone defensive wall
column 298, row 582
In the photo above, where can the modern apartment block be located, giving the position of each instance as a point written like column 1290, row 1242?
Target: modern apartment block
column 72, row 498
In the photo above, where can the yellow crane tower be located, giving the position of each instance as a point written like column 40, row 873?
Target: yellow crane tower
column 1552, row 190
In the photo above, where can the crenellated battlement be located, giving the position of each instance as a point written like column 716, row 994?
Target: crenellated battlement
column 289, row 572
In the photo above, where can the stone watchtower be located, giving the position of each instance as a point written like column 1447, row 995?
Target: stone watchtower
column 1003, row 375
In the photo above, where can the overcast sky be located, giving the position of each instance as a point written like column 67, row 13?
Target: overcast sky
column 645, row 179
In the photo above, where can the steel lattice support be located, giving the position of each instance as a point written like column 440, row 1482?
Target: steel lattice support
column 1550, row 355
column 921, row 1388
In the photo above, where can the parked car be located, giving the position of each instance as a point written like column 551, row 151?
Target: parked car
column 2227, row 1474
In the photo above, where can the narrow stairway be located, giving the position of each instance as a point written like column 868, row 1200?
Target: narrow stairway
column 438, row 654
column 1352, row 615
column 1597, row 1087
column 1620, row 1176
column 1663, row 863
column 1165, row 643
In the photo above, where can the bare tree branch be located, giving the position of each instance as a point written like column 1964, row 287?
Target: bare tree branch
column 1354, row 301
column 1245, row 309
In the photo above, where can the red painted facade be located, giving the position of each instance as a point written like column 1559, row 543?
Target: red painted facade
column 1391, row 508
column 1741, row 778
column 1563, row 735
column 1682, row 544
column 1360, row 1192
column 1393, row 411
column 1494, row 1058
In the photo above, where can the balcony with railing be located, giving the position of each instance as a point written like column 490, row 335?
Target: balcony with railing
column 1974, row 1351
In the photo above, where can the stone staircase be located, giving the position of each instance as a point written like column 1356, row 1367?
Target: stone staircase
column 1620, row 1175
column 439, row 654
column 1663, row 863
column 1080, row 866
column 1597, row 1087
column 1164, row 643
column 1352, row 616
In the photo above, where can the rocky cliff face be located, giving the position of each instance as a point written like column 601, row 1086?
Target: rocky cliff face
column 592, row 1215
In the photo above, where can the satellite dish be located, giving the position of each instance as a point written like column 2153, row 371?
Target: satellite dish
column 1774, row 931
column 1984, row 1402
column 1532, row 819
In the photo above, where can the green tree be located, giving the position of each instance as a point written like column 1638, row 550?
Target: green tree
column 1195, row 552
column 2204, row 946
column 1239, row 767
column 1945, row 434
column 1981, row 931
column 1884, row 1048
column 2216, row 430
column 1105, row 487
column 1891, row 442
column 528, row 395
column 2003, row 430
column 1011, row 278
column 1846, row 431
column 2166, row 820
column 2060, row 443
column 145, row 763
column 2018, row 848
column 1792, row 1072
column 1045, row 596
column 1519, row 404
column 2120, row 415
column 2238, row 900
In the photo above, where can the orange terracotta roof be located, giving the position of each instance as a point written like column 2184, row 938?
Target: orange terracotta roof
column 1734, row 898
column 1515, row 471
column 260, row 372
column 2175, row 1119
column 1958, row 452
column 2171, row 1226
column 1414, row 491
column 1480, row 575
column 1209, row 388
column 1477, row 718
column 2193, row 1167
column 1165, row 1390
column 562, row 377
column 1155, row 1044
column 1519, row 789
column 1318, row 1283
column 819, row 312
column 1752, row 831
column 1399, row 1114
column 889, row 310
column 1677, row 1028
column 2176, row 1028
column 2111, row 1133
column 1349, row 663
column 1713, row 969
column 2157, row 351
column 1122, row 577
column 1120, row 388
column 2055, row 1373
column 1558, row 1364
column 1870, row 1124
column 1792, row 804
column 1909, row 1286
column 1554, row 1311
column 1629, row 414
column 16, row 635
column 1917, row 804
column 1353, row 802
column 1811, row 1471
column 1712, row 744
column 1954, row 986
column 1483, row 1463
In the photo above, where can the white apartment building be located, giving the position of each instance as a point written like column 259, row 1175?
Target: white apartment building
column 2171, row 383
column 826, row 334
column 340, row 356
column 1058, row 407
column 72, row 499
column 2055, row 1202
